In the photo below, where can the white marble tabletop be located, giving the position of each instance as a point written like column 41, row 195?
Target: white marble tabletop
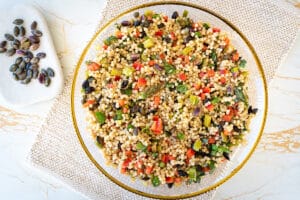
column 273, row 172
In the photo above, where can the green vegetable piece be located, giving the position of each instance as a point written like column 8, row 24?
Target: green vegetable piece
column 140, row 146
column 155, row 181
column 154, row 154
column 110, row 40
column 156, row 16
column 185, row 13
column 207, row 120
column 197, row 145
column 180, row 136
column 242, row 63
column 181, row 88
column 144, row 57
column 170, row 69
column 118, row 115
column 213, row 55
column 187, row 50
column 100, row 116
column 194, row 99
column 198, row 34
column 215, row 100
column 146, row 130
column 206, row 26
column 148, row 43
column 130, row 126
column 162, row 164
column 211, row 165
column 239, row 95
column 192, row 172
column 214, row 147
column 99, row 141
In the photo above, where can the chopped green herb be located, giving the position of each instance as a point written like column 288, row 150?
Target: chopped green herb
column 155, row 181
column 162, row 164
column 170, row 69
column 127, row 91
column 198, row 34
column 206, row 26
column 100, row 116
column 140, row 146
column 180, row 136
column 118, row 115
column 213, row 56
column 110, row 40
column 185, row 13
column 215, row 100
column 130, row 126
column 239, row 95
column 192, row 172
column 181, row 88
column 242, row 63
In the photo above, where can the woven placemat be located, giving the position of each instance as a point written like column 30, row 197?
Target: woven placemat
column 270, row 28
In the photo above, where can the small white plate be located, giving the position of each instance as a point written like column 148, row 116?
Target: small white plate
column 13, row 94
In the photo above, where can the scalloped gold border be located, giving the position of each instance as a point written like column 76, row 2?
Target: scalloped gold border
column 202, row 190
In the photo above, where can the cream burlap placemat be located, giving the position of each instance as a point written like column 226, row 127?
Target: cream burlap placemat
column 270, row 28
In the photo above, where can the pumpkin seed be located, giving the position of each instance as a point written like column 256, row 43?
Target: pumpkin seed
column 9, row 37
column 33, row 25
column 16, row 31
column 13, row 67
column 22, row 76
column 34, row 39
column 19, row 71
column 50, row 72
column 18, row 60
column 35, row 60
column 15, row 76
column 26, row 81
column 37, row 33
column 47, row 81
column 3, row 44
column 11, row 52
column 18, row 21
column 22, row 31
column 29, row 73
column 16, row 44
column 41, row 55
column 35, row 73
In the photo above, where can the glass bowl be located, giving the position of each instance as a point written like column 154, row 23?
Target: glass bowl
column 257, row 98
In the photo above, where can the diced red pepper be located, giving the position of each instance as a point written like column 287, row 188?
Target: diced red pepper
column 137, row 65
column 202, row 96
column 162, row 56
column 173, row 36
column 182, row 76
column 89, row 102
column 156, row 100
column 117, row 78
column 190, row 153
column 125, row 110
column 205, row 169
column 123, row 170
column 119, row 34
column 223, row 80
column 93, row 66
column 227, row 41
column 151, row 63
column 126, row 162
column 210, row 73
column 157, row 127
column 155, row 118
column 104, row 46
column 137, row 33
column 141, row 82
column 169, row 179
column 148, row 170
column 210, row 107
column 216, row 30
column 206, row 90
column 128, row 154
column 235, row 57
column 211, row 140
column 197, row 86
column 223, row 71
column 177, row 180
column 165, row 18
column 159, row 33
column 140, row 171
